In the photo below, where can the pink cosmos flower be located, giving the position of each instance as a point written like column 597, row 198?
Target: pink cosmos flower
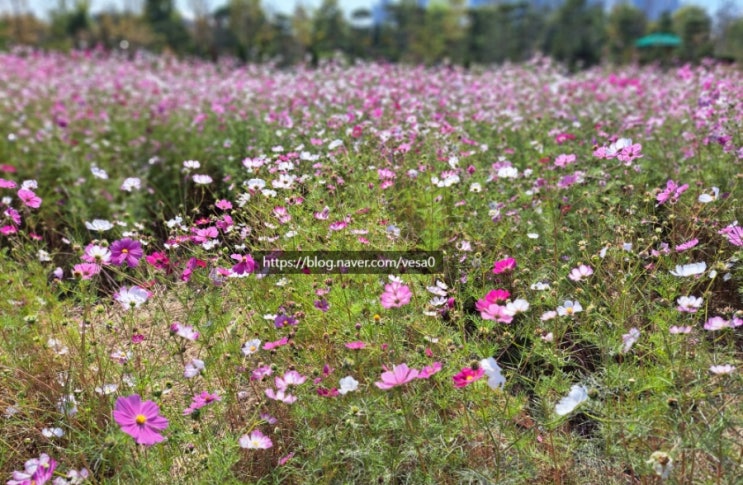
column 355, row 345
column 255, row 441
column 276, row 343
column 140, row 420
column 184, row 331
column 86, row 271
column 687, row 245
column 37, row 471
column 734, row 234
column 429, row 370
column 504, row 265
column 29, row 198
column 126, row 251
column 399, row 375
column 7, row 184
column 260, row 373
column 672, row 192
column 223, row 204
column 245, row 264
column 395, row 294
column 467, row 376
column 201, row 400
column 676, row 330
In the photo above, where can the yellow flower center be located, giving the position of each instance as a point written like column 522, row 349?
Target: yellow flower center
column 125, row 251
column 253, row 348
column 140, row 419
column 569, row 310
column 469, row 378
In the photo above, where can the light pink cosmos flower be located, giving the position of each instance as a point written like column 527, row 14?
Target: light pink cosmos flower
column 676, row 330
column 193, row 368
column 290, row 378
column 140, row 420
column 280, row 395
column 581, row 272
column 716, row 323
column 689, row 304
column 395, row 294
column 255, row 441
column 184, row 331
column 563, row 160
column 629, row 339
column 722, row 369
column 399, row 375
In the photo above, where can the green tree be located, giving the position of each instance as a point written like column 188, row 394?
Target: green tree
column 694, row 27
column 576, row 34
column 165, row 21
column 251, row 28
column 625, row 25
column 329, row 29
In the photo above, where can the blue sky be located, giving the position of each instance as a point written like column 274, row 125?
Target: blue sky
column 40, row 7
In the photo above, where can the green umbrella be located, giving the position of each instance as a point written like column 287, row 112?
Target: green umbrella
column 664, row 40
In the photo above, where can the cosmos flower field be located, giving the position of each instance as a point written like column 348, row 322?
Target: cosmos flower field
column 586, row 326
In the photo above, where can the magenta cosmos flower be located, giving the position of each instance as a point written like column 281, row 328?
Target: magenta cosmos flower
column 504, row 265
column 395, row 295
column 399, row 375
column 126, row 251
column 140, row 420
column 467, row 376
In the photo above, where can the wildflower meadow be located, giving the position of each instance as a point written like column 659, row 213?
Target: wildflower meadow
column 586, row 325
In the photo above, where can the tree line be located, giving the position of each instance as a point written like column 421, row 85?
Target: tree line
column 577, row 32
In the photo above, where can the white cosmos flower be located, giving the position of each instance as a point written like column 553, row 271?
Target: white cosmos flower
column 98, row 225
column 575, row 397
column 348, row 384
column 569, row 308
column 493, row 372
column 706, row 198
column 52, row 432
column 193, row 368
column 131, row 183
column 251, row 346
column 132, row 297
column 689, row 269
column 517, row 306
column 722, row 369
